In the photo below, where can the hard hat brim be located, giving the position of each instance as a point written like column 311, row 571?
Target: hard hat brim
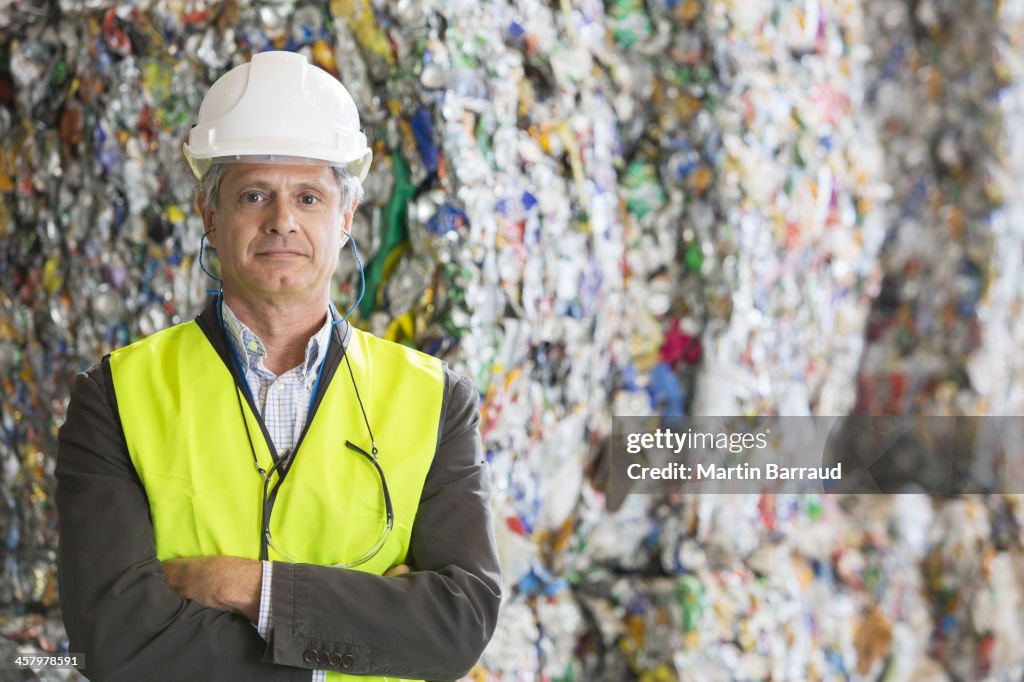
column 358, row 167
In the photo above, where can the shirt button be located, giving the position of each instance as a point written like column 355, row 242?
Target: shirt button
column 347, row 660
column 309, row 655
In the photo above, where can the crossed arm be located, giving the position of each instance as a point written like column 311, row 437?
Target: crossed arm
column 136, row 618
column 228, row 583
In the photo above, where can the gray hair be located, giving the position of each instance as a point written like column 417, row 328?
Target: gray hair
column 209, row 184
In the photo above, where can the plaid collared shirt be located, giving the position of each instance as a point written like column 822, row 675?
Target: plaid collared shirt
column 283, row 402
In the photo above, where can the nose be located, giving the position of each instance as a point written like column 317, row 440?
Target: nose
column 281, row 219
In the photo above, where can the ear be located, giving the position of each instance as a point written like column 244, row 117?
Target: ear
column 346, row 225
column 351, row 212
column 205, row 210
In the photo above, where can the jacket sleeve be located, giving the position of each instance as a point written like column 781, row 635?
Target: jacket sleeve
column 431, row 623
column 116, row 607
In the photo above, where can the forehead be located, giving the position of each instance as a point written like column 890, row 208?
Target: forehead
column 282, row 175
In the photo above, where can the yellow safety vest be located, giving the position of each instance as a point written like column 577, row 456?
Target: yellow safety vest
column 180, row 413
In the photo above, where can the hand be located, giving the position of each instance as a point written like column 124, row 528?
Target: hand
column 400, row 569
column 227, row 583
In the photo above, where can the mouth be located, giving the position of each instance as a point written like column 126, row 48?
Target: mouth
column 280, row 253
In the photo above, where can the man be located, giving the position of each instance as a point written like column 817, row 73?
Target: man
column 267, row 493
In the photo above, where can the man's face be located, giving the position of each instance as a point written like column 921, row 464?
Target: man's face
column 278, row 229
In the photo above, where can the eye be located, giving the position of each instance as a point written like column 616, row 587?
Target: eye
column 252, row 197
column 309, row 199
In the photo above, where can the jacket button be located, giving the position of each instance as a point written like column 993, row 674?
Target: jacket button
column 309, row 655
column 322, row 658
column 347, row 660
column 335, row 660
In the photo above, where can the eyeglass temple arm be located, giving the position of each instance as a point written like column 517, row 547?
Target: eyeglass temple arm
column 384, row 484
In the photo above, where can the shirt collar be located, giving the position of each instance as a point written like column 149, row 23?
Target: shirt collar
column 250, row 349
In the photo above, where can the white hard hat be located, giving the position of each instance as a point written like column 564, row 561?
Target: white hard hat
column 278, row 106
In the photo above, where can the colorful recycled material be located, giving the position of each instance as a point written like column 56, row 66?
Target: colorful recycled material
column 593, row 209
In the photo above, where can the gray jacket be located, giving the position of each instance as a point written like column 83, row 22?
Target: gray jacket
column 432, row 623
